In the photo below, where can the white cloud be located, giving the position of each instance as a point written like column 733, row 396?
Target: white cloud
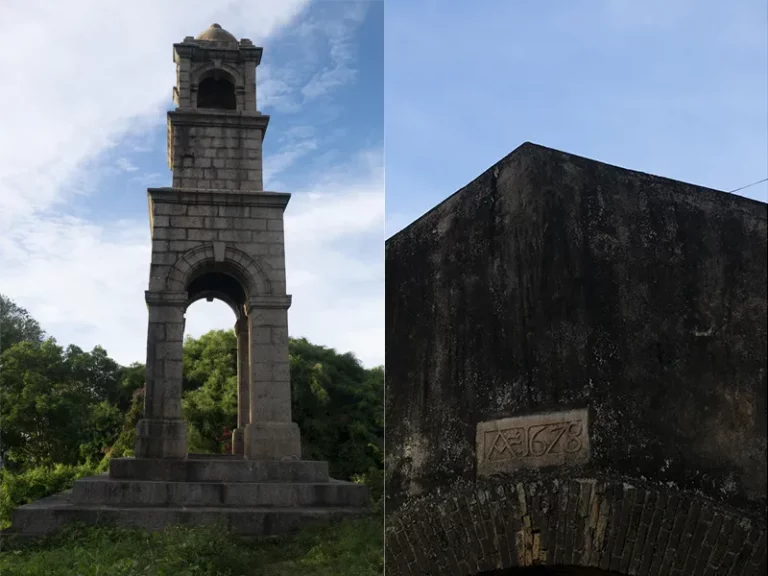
column 126, row 165
column 96, row 71
column 286, row 157
column 107, row 86
column 339, row 37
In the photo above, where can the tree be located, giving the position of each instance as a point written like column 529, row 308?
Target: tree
column 42, row 410
column 94, row 372
column 105, row 421
column 210, row 397
column 338, row 405
column 16, row 325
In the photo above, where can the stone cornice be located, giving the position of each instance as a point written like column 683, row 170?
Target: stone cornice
column 166, row 298
column 219, row 197
column 222, row 119
column 197, row 51
column 262, row 302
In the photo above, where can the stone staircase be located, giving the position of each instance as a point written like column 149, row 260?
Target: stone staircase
column 246, row 497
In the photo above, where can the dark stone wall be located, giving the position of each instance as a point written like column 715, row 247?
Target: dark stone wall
column 554, row 282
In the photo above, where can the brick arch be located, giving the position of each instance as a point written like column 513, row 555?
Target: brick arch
column 208, row 66
column 248, row 271
column 607, row 525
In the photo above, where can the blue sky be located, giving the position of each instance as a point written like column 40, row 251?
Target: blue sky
column 678, row 89
column 88, row 136
column 444, row 87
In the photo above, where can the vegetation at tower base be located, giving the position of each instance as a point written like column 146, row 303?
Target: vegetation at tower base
column 65, row 412
column 348, row 548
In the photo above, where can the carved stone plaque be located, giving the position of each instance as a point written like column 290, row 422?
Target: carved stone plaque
column 551, row 439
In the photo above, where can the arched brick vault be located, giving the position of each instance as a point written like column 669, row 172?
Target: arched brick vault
column 246, row 270
column 606, row 524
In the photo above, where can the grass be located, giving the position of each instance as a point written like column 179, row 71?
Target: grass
column 352, row 547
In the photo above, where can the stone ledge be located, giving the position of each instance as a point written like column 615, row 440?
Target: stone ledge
column 218, row 470
column 98, row 490
column 224, row 119
column 48, row 515
column 212, row 197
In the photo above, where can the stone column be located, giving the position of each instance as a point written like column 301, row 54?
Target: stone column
column 162, row 433
column 243, row 386
column 270, row 435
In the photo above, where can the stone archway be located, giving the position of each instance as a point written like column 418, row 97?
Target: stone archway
column 571, row 525
column 264, row 406
column 218, row 257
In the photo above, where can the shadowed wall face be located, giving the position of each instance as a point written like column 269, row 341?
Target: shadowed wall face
column 554, row 283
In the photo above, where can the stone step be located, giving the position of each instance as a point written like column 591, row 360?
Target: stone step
column 213, row 469
column 114, row 492
column 201, row 456
column 50, row 514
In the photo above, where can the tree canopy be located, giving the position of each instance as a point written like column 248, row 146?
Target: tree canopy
column 68, row 406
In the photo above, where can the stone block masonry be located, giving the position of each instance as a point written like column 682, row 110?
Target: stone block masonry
column 182, row 220
column 212, row 150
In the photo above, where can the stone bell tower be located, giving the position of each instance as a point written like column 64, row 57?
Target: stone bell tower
column 217, row 234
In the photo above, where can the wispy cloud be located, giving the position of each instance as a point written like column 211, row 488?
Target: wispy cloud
column 124, row 83
column 339, row 36
column 126, row 165
column 287, row 157
column 294, row 84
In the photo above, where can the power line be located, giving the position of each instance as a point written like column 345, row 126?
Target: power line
column 749, row 185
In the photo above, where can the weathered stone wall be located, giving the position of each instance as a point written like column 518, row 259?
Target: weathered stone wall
column 184, row 220
column 552, row 283
column 214, row 156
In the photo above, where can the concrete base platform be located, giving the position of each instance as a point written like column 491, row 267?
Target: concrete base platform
column 249, row 498
column 218, row 469
column 48, row 515
column 102, row 490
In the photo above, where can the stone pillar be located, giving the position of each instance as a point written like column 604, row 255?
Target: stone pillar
column 162, row 433
column 243, row 386
column 270, row 435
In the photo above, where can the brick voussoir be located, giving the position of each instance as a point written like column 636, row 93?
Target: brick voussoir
column 500, row 524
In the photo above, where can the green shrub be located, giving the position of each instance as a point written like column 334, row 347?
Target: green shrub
column 374, row 480
column 35, row 483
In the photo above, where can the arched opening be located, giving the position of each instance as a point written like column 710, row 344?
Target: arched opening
column 550, row 571
column 216, row 90
column 215, row 353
